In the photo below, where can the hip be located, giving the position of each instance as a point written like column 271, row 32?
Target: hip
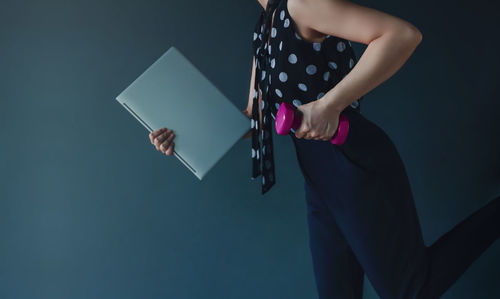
column 368, row 151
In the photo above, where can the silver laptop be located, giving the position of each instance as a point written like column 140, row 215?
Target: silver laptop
column 173, row 93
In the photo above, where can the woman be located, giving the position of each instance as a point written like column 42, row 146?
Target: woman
column 360, row 210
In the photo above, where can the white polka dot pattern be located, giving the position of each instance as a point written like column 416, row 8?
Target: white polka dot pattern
column 340, row 46
column 283, row 77
column 311, row 69
column 278, row 92
column 298, row 71
column 326, row 76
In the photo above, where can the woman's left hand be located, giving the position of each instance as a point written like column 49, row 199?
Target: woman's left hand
column 318, row 121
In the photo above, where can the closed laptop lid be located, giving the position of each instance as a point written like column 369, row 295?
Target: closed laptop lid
column 173, row 93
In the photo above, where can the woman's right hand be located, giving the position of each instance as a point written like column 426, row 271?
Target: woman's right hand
column 163, row 140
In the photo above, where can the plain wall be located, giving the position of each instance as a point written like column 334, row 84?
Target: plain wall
column 90, row 209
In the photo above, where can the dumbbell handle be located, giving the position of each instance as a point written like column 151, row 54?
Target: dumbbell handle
column 289, row 118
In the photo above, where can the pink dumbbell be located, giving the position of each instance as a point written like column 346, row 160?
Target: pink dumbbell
column 288, row 118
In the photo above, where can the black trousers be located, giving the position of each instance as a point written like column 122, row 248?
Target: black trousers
column 362, row 219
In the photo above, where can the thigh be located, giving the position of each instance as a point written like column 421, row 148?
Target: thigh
column 370, row 198
column 338, row 273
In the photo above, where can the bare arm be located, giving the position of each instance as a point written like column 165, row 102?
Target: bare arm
column 390, row 41
column 248, row 110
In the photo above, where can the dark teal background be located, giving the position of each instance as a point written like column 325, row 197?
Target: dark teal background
column 90, row 209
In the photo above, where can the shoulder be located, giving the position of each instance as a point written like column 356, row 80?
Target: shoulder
column 348, row 20
column 303, row 11
column 300, row 8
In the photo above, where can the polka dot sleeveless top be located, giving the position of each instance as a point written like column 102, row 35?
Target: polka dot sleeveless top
column 290, row 69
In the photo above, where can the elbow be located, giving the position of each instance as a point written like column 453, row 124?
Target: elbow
column 405, row 34
column 416, row 35
column 411, row 34
column 419, row 36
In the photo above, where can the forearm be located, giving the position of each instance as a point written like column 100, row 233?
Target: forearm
column 252, row 88
column 381, row 59
column 251, row 94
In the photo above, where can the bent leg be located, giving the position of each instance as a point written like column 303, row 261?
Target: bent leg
column 456, row 250
column 369, row 195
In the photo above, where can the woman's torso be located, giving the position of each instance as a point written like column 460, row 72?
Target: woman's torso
column 299, row 71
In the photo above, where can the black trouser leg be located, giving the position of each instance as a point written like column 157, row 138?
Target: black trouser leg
column 363, row 185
